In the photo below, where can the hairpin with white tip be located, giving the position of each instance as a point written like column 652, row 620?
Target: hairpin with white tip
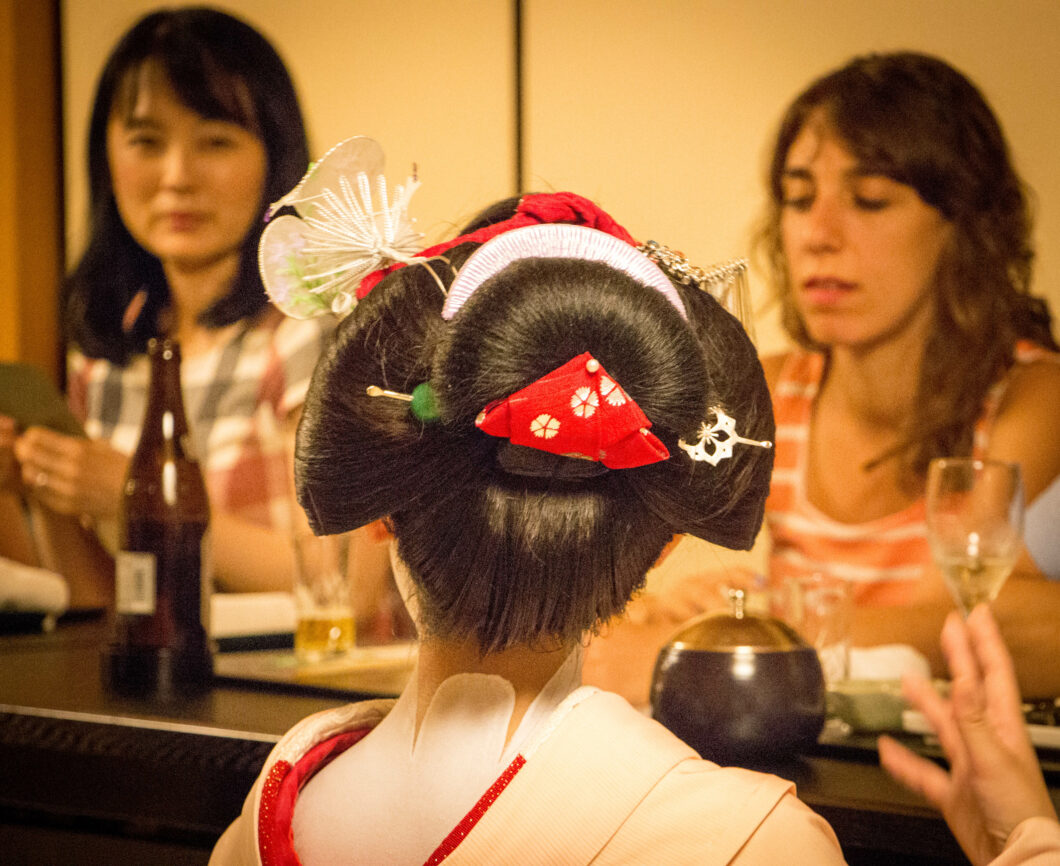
column 422, row 403
column 721, row 435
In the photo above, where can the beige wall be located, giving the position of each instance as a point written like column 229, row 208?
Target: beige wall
column 659, row 110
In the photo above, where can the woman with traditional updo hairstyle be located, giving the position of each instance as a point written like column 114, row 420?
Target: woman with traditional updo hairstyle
column 520, row 525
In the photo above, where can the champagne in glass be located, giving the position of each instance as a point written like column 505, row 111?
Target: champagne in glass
column 975, row 525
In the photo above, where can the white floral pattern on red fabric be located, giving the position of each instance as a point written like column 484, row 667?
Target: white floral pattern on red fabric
column 583, row 402
column 610, row 391
column 544, row 426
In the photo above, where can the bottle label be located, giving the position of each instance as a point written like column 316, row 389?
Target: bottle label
column 134, row 582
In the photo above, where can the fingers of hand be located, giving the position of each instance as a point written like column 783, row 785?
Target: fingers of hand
column 957, row 647
column 916, row 773
column 34, row 475
column 985, row 694
column 42, row 445
column 922, row 695
column 999, row 673
column 966, row 675
column 53, row 461
column 939, row 712
column 49, row 486
column 8, row 431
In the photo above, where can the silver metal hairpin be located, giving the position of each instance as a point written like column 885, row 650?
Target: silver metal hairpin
column 721, row 436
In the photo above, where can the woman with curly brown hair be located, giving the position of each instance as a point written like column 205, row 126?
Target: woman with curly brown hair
column 899, row 237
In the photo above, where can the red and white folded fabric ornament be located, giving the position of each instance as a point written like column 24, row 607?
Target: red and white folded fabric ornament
column 579, row 411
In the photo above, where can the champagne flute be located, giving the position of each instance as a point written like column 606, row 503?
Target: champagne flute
column 974, row 524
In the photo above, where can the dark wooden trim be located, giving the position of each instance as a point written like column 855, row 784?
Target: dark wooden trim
column 519, row 107
column 32, row 265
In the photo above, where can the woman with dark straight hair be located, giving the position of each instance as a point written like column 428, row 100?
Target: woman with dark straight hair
column 222, row 70
column 195, row 128
column 535, row 409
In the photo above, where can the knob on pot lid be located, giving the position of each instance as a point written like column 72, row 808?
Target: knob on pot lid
column 725, row 631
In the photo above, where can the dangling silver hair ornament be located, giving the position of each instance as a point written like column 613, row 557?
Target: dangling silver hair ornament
column 347, row 227
column 720, row 436
column 726, row 282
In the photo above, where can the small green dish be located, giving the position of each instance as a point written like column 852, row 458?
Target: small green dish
column 867, row 705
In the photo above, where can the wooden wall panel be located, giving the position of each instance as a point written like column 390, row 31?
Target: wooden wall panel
column 30, row 198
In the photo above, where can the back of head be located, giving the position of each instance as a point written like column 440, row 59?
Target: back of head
column 223, row 69
column 508, row 546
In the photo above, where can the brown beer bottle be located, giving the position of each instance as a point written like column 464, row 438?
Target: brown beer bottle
column 159, row 644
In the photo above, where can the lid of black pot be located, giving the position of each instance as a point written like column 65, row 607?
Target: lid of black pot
column 724, row 631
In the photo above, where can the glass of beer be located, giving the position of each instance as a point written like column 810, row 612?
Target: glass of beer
column 323, row 595
column 975, row 525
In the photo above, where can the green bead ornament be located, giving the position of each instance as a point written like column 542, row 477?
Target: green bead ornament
column 424, row 405
column 422, row 402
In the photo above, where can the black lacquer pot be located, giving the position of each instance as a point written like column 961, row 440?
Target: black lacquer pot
column 739, row 688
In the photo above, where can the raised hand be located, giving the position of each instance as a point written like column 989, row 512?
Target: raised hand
column 994, row 780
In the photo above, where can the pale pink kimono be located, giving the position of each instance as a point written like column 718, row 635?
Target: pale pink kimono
column 1035, row 842
column 606, row 786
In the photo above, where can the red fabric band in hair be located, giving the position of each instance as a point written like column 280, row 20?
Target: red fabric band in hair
column 557, row 207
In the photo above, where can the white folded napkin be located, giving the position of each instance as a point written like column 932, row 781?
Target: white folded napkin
column 27, row 589
column 241, row 614
column 887, row 662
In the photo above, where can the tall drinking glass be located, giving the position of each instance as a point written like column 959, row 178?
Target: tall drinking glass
column 975, row 525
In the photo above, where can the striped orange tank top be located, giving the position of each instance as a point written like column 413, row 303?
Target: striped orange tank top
column 883, row 558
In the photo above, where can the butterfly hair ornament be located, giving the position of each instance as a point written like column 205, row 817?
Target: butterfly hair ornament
column 348, row 225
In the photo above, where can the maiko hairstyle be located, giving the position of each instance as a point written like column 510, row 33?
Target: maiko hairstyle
column 498, row 556
column 223, row 69
column 917, row 120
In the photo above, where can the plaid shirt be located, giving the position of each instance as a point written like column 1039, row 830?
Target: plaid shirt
column 237, row 398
